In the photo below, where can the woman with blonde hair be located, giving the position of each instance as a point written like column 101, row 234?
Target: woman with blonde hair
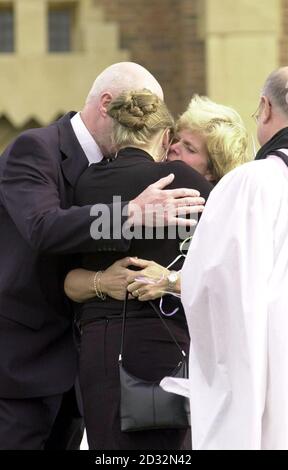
column 141, row 133
column 212, row 139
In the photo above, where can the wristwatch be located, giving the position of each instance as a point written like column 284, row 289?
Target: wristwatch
column 172, row 278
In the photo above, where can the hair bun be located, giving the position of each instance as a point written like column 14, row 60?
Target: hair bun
column 132, row 109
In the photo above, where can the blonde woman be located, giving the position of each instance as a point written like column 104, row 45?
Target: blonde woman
column 212, row 139
column 142, row 126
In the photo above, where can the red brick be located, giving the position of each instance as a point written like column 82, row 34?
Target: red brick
column 162, row 36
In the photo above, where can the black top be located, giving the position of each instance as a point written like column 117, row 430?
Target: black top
column 127, row 176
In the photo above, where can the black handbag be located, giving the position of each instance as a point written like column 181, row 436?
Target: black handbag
column 145, row 405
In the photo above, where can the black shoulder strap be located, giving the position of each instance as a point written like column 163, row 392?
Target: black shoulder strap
column 124, row 315
column 281, row 155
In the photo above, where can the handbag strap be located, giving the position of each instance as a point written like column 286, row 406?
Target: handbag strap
column 124, row 316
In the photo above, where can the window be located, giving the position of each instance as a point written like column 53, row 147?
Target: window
column 6, row 30
column 60, row 29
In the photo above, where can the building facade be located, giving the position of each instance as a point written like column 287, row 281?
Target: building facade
column 52, row 50
column 50, row 53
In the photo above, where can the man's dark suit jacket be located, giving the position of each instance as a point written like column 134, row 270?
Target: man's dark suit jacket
column 40, row 230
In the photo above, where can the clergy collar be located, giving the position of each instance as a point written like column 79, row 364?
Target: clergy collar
column 278, row 141
column 85, row 139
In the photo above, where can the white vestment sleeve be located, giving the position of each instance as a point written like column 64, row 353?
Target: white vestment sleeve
column 178, row 386
column 224, row 292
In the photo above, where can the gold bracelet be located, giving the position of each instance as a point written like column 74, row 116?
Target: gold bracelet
column 102, row 296
column 97, row 286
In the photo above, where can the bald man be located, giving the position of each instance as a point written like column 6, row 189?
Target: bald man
column 40, row 231
column 234, row 291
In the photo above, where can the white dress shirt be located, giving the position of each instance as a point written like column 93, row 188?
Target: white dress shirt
column 234, row 290
column 85, row 139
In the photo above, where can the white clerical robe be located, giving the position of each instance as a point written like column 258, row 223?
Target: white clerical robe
column 235, row 295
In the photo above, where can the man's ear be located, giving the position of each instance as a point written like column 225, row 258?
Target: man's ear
column 105, row 100
column 266, row 109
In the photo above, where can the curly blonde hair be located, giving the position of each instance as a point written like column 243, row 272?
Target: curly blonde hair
column 138, row 116
column 224, row 132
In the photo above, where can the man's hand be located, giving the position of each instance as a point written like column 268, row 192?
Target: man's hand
column 156, row 206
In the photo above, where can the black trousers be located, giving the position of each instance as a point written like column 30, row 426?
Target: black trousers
column 45, row 423
column 150, row 354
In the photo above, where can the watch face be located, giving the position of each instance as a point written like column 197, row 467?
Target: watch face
column 173, row 277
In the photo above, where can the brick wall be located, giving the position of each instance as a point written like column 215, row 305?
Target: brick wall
column 162, row 36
